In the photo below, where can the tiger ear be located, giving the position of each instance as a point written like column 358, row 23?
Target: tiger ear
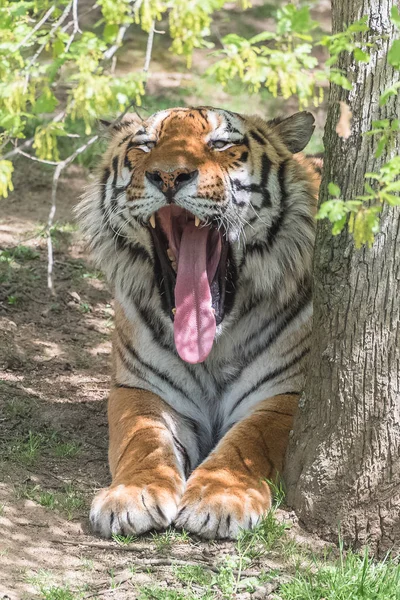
column 295, row 131
column 127, row 120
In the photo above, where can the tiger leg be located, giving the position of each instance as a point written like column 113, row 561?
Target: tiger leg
column 229, row 491
column 147, row 465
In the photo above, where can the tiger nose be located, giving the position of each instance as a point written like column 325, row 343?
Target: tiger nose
column 170, row 182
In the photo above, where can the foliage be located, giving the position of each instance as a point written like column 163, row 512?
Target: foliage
column 284, row 65
column 363, row 212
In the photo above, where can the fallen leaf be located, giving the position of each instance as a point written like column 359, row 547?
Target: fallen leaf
column 343, row 128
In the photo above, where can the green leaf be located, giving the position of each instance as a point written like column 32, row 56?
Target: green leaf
column 395, row 14
column 390, row 91
column 46, row 103
column 340, row 79
column 394, row 54
column 334, row 190
column 338, row 225
column 110, row 32
column 262, row 37
column 360, row 55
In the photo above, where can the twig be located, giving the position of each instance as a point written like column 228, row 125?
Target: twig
column 57, row 173
column 56, row 25
column 149, row 48
column 37, row 26
column 46, row 162
column 112, row 50
column 28, row 143
column 76, row 24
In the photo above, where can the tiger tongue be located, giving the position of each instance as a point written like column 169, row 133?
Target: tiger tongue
column 194, row 323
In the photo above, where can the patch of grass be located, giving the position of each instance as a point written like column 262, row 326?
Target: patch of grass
column 2, row 507
column 85, row 307
column 67, row 501
column 28, row 448
column 193, row 574
column 70, row 501
column 351, row 577
column 59, row 593
column 124, row 540
column 18, row 408
column 66, row 449
column 159, row 593
column 164, row 541
column 14, row 300
column 20, row 253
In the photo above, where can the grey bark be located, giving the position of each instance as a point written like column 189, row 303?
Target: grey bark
column 343, row 461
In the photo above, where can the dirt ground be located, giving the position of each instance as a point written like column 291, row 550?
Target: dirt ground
column 54, row 377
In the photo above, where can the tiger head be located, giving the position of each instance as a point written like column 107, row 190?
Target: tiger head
column 195, row 193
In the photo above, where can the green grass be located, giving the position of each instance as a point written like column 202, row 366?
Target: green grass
column 28, row 448
column 164, row 541
column 158, row 593
column 351, row 577
column 124, row 540
column 67, row 501
column 59, row 593
column 193, row 574
column 19, row 253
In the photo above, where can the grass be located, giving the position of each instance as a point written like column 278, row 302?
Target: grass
column 164, row 541
column 67, row 501
column 351, row 577
column 28, row 448
column 124, row 540
column 193, row 574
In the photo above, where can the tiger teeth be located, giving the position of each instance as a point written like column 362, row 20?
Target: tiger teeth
column 196, row 221
column 174, row 311
column 152, row 221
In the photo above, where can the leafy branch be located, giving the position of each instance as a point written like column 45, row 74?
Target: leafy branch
column 363, row 212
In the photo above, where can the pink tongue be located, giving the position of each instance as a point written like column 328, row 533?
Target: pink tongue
column 194, row 323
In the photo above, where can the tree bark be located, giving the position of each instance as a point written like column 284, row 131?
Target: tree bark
column 343, row 461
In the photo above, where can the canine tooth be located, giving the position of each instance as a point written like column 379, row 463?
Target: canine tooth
column 152, row 221
column 170, row 255
column 174, row 311
column 196, row 221
column 173, row 265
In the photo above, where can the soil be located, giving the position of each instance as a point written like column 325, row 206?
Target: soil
column 54, row 379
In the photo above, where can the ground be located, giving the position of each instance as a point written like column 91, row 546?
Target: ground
column 55, row 365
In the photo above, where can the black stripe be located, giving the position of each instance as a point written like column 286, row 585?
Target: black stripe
column 125, row 139
column 265, row 169
column 292, row 313
column 160, row 374
column 269, row 377
column 135, row 371
column 186, row 460
column 104, row 180
column 278, row 222
column 157, row 332
column 244, row 156
column 257, row 138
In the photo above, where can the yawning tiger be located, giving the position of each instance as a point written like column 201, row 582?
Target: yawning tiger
column 202, row 220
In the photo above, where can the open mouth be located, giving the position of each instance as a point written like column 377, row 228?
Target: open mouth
column 195, row 274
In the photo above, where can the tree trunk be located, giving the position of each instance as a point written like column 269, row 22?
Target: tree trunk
column 343, row 462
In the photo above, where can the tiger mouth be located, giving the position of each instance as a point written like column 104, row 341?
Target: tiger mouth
column 195, row 274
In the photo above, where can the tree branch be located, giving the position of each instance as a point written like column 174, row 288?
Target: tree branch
column 37, row 26
column 149, row 48
column 57, row 173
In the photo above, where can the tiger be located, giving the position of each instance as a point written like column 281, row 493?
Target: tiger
column 202, row 220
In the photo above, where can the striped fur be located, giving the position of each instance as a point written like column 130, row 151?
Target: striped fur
column 264, row 198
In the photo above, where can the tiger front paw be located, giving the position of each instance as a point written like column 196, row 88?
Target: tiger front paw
column 217, row 504
column 130, row 509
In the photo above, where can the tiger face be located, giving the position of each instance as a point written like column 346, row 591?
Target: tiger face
column 197, row 190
